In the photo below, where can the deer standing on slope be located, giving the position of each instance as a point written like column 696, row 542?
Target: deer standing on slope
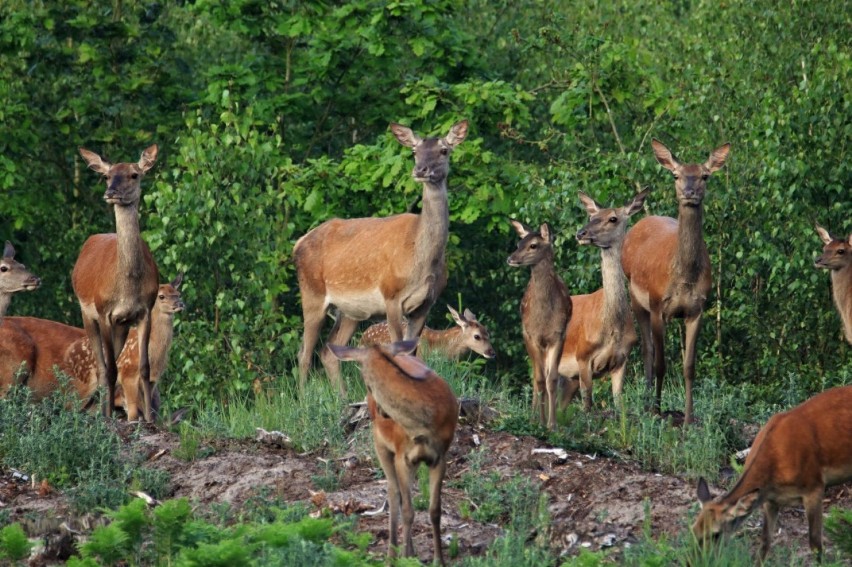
column 600, row 333
column 545, row 312
column 414, row 415
column 46, row 344
column 14, row 277
column 667, row 263
column 837, row 257
column 367, row 267
column 795, row 456
column 116, row 279
column 468, row 334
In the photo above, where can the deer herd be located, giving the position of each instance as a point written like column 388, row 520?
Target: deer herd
column 661, row 264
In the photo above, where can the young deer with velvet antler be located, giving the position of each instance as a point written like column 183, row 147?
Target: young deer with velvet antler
column 545, row 312
column 14, row 277
column 794, row 457
column 667, row 263
column 468, row 334
column 414, row 414
column 367, row 267
column 600, row 334
column 46, row 344
column 837, row 257
column 116, row 279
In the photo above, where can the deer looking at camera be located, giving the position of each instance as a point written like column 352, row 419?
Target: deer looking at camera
column 600, row 334
column 837, row 257
column 794, row 457
column 46, row 344
column 414, row 414
column 468, row 334
column 367, row 267
column 667, row 263
column 545, row 312
column 14, row 277
column 116, row 279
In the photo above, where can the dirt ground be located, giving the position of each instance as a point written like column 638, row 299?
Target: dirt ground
column 595, row 502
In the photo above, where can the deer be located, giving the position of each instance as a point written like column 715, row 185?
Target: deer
column 367, row 267
column 14, row 277
column 794, row 458
column 116, row 279
column 468, row 334
column 414, row 414
column 837, row 257
column 668, row 267
column 46, row 345
column 600, row 334
column 545, row 312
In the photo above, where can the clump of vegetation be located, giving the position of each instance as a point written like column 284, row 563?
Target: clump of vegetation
column 838, row 527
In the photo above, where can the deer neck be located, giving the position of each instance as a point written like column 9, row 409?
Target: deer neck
column 841, row 289
column 615, row 309
column 689, row 261
column 162, row 329
column 433, row 225
column 448, row 341
column 543, row 280
column 131, row 263
column 5, row 300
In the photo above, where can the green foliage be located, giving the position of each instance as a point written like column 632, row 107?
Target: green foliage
column 838, row 527
column 14, row 544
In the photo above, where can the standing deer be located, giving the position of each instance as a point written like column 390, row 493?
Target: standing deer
column 116, row 279
column 600, row 333
column 46, row 344
column 796, row 455
column 837, row 257
column 14, row 277
column 667, row 263
column 545, row 312
column 367, row 267
column 468, row 334
column 414, row 414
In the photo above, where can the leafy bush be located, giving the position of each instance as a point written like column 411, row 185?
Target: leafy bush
column 14, row 544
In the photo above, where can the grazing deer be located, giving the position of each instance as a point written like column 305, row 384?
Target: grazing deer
column 14, row 277
column 367, row 267
column 468, row 334
column 45, row 344
column 667, row 263
column 600, row 333
column 795, row 456
column 116, row 279
column 837, row 257
column 545, row 312
column 414, row 414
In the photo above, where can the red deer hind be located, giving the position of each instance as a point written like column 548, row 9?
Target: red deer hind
column 794, row 457
column 667, row 263
column 545, row 312
column 367, row 267
column 414, row 414
column 600, row 335
column 116, row 279
column 14, row 277
column 837, row 257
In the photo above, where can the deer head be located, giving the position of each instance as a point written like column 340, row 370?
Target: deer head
column 431, row 155
column 169, row 300
column 690, row 179
column 122, row 179
column 718, row 517
column 14, row 276
column 533, row 247
column 837, row 252
column 607, row 226
column 474, row 334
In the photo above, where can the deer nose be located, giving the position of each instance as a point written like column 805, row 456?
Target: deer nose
column 33, row 281
column 421, row 170
column 582, row 233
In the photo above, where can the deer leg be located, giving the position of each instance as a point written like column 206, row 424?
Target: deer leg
column 643, row 318
column 617, row 377
column 658, row 334
column 586, row 384
column 386, row 459
column 313, row 314
column 691, row 340
column 770, row 519
column 551, row 376
column 436, row 479
column 813, row 511
column 417, row 320
column 340, row 334
column 569, row 387
column 107, row 379
column 143, row 329
column 404, row 473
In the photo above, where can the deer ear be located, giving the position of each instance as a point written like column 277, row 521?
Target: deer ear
column 591, row 205
column 405, row 135
column 9, row 250
column 148, row 158
column 664, row 155
column 457, row 134
column 544, row 230
column 469, row 316
column 703, row 491
column 823, row 234
column 402, row 347
column 456, row 317
column 638, row 200
column 520, row 228
column 717, row 158
column 849, row 240
column 94, row 161
column 175, row 283
column 344, row 352
column 743, row 506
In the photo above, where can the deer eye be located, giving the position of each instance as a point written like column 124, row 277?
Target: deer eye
column 676, row 176
column 4, row 268
column 705, row 176
column 135, row 176
column 613, row 219
column 477, row 338
column 444, row 151
column 841, row 251
column 162, row 296
column 533, row 246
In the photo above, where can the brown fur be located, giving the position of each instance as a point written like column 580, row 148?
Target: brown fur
column 545, row 311
column 667, row 263
column 368, row 267
column 600, row 333
column 43, row 344
column 116, row 279
column 837, row 257
column 14, row 277
column 468, row 334
column 795, row 456
column 414, row 414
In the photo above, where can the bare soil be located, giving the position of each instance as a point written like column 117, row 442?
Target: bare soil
column 595, row 502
